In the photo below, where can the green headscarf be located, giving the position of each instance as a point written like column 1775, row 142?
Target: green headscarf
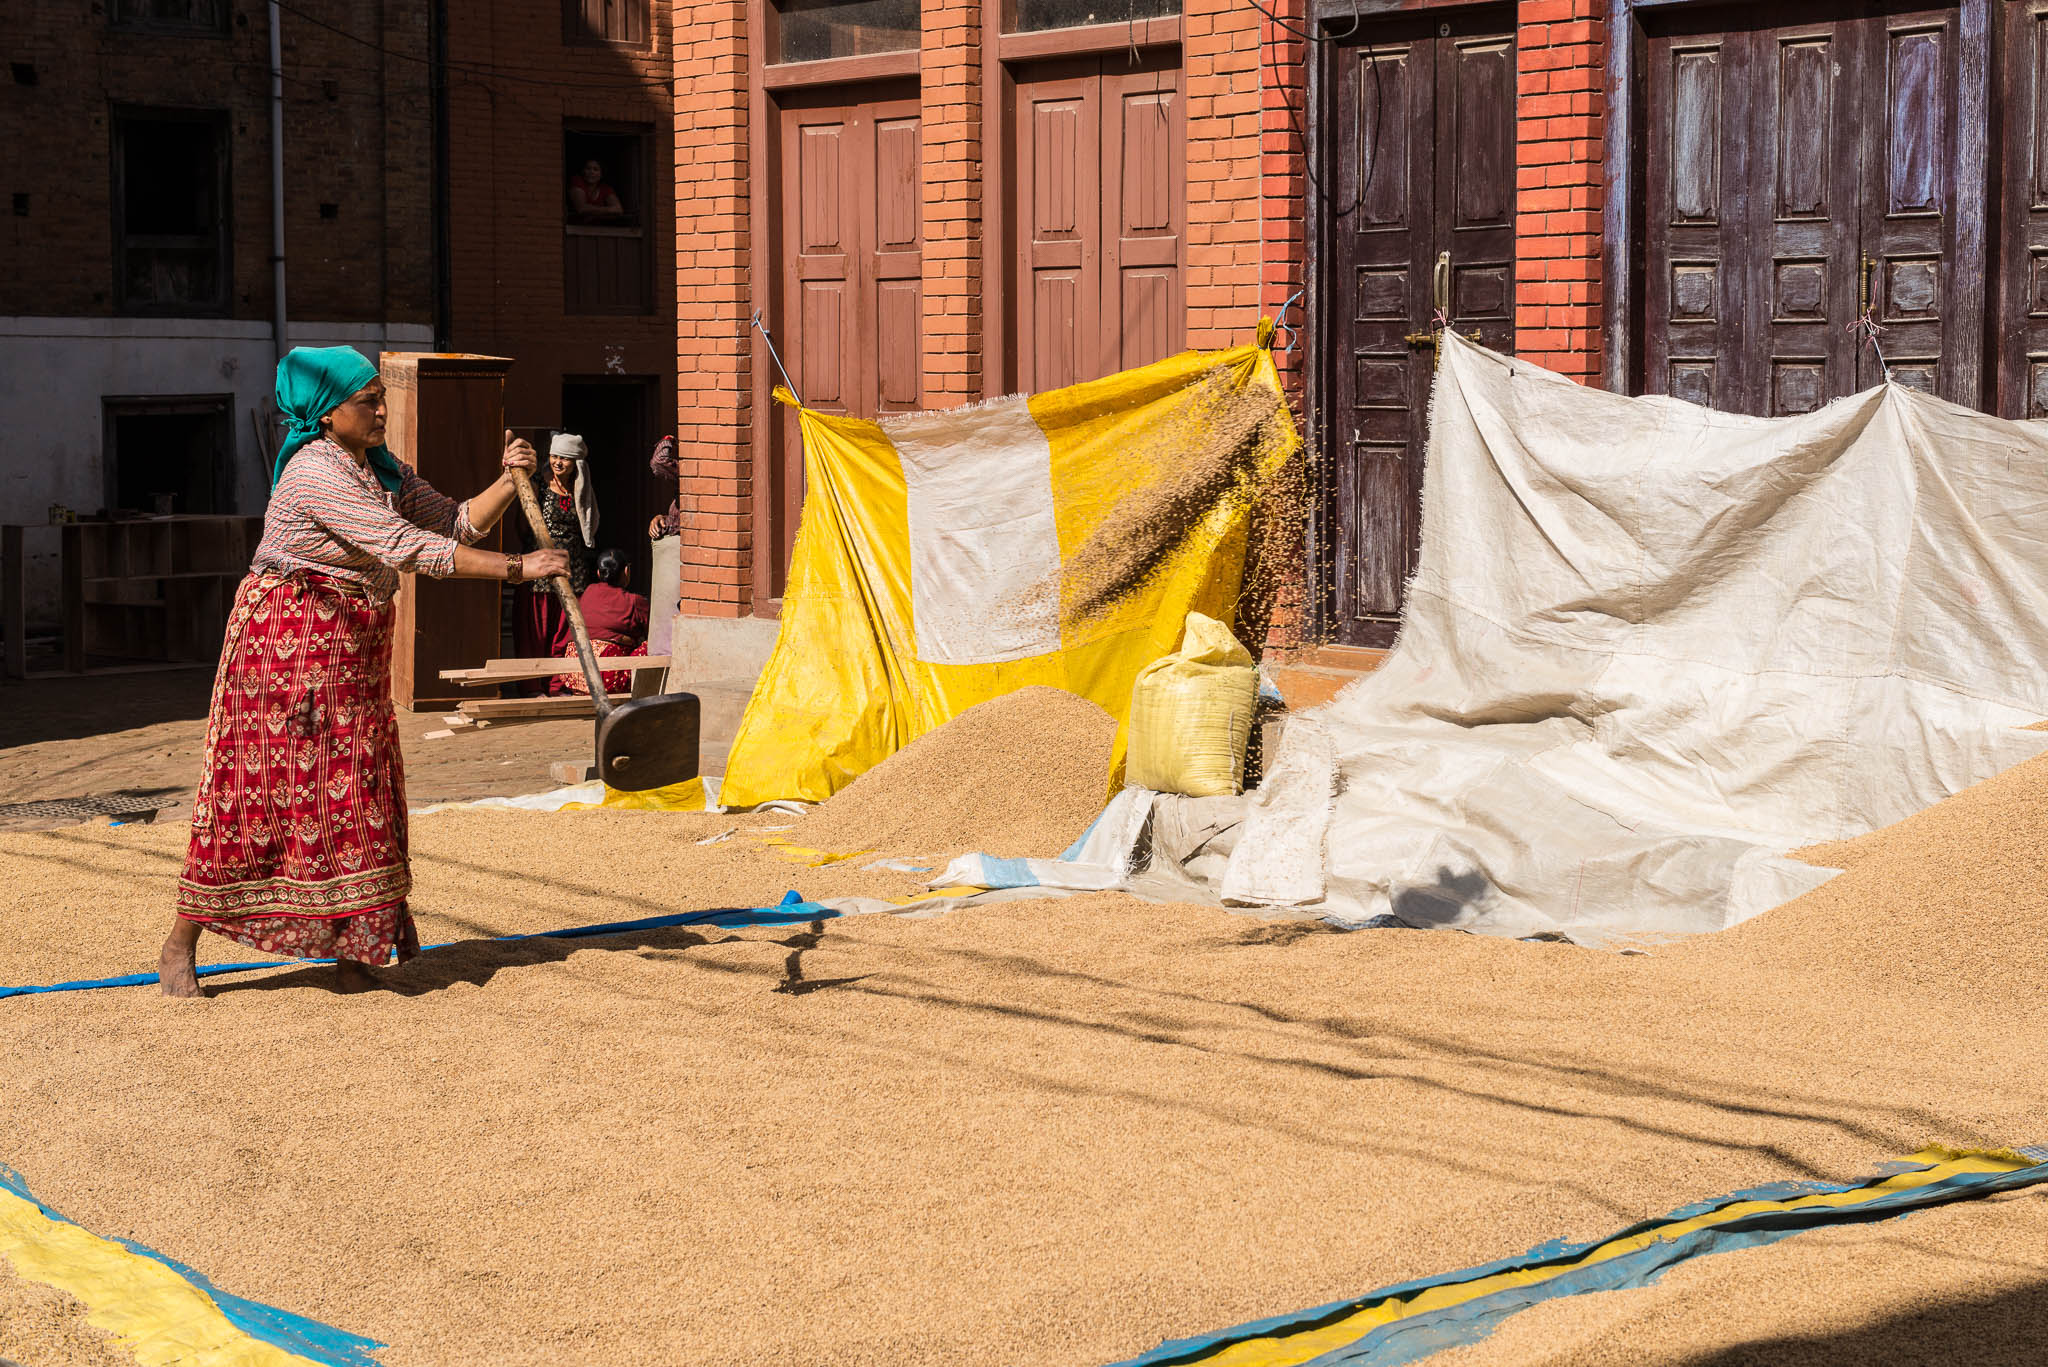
column 311, row 383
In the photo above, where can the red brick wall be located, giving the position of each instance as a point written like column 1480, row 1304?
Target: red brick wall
column 1284, row 180
column 950, row 85
column 1559, row 118
column 713, row 344
column 1220, row 66
column 506, row 200
column 360, row 141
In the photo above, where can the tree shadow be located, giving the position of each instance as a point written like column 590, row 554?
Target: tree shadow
column 2006, row 1328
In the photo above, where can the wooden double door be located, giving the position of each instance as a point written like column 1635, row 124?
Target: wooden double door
column 851, row 243
column 1098, row 192
column 1418, row 202
column 1801, row 174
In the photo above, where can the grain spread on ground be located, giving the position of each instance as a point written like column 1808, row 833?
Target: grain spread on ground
column 1019, row 776
column 42, row 1327
column 1043, row 1133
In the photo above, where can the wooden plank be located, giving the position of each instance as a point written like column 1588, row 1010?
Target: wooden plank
column 14, row 600
column 500, row 671
column 74, row 598
column 575, row 705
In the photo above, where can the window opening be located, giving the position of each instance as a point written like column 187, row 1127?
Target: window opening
column 815, row 30
column 170, row 456
column 1036, row 16
column 170, row 173
column 606, row 267
column 605, row 21
column 180, row 16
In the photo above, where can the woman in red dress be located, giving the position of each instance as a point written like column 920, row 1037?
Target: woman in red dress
column 299, row 826
column 617, row 620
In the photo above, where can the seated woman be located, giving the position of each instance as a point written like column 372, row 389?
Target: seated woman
column 617, row 618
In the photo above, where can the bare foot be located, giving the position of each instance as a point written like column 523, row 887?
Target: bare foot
column 351, row 976
column 175, row 969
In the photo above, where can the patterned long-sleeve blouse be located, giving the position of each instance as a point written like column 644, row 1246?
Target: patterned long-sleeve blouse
column 330, row 515
column 558, row 511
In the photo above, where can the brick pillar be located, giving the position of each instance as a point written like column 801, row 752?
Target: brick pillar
column 714, row 431
column 1220, row 55
column 1283, row 82
column 1282, row 558
column 1561, row 48
column 951, row 144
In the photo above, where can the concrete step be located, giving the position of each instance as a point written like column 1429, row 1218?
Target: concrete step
column 722, row 701
column 1313, row 677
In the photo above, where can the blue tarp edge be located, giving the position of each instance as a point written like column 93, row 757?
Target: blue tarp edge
column 790, row 909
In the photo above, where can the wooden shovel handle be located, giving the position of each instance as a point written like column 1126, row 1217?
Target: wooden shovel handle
column 560, row 584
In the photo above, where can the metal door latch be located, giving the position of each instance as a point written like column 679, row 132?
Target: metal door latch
column 1428, row 338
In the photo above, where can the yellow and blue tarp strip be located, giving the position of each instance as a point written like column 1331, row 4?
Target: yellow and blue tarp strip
column 161, row 1310
column 789, row 911
column 1409, row 1321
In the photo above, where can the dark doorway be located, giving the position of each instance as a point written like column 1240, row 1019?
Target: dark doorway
column 170, row 455
column 613, row 415
column 1418, row 196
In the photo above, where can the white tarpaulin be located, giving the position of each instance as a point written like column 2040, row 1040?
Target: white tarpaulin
column 1650, row 647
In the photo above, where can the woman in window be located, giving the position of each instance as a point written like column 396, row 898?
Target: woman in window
column 299, row 827
column 590, row 199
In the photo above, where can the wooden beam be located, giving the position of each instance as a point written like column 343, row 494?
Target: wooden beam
column 14, row 600
column 571, row 706
column 501, row 671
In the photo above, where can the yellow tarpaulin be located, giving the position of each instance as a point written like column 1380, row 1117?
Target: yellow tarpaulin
column 932, row 568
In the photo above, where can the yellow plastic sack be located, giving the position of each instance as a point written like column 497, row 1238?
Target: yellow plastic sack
column 1191, row 715
column 926, row 575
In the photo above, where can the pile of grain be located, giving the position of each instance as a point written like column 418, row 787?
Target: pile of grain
column 1021, row 776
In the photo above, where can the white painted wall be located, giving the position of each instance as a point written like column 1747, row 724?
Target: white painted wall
column 55, row 371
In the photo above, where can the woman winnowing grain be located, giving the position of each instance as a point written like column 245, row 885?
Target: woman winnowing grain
column 299, row 826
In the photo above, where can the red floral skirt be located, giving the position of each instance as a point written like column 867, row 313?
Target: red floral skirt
column 299, row 828
column 616, row 681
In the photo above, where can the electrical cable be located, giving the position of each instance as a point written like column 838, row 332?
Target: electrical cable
column 464, row 68
column 1367, row 165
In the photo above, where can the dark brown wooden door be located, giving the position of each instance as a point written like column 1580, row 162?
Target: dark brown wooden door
column 1796, row 174
column 1421, row 162
column 851, row 241
column 1099, row 204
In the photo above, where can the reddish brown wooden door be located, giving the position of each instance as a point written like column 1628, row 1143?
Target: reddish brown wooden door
column 852, row 294
column 1099, row 214
column 1420, row 161
column 1793, row 174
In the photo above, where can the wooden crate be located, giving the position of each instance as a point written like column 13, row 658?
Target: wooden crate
column 152, row 590
column 446, row 420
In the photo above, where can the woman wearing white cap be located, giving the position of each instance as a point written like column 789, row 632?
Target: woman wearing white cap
column 568, row 505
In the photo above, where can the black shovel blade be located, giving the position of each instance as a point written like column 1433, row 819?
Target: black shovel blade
column 649, row 742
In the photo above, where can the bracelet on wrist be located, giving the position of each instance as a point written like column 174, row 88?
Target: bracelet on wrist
column 514, row 569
